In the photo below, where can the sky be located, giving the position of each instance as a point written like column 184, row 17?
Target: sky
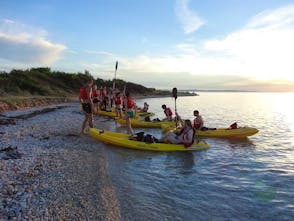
column 188, row 44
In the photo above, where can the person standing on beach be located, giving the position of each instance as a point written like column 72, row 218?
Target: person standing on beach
column 118, row 102
column 130, row 108
column 87, row 104
column 95, row 98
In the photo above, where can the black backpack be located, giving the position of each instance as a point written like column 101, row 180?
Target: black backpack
column 148, row 138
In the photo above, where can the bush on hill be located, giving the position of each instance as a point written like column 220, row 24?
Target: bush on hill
column 44, row 82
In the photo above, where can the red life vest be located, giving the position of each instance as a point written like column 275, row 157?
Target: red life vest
column 185, row 136
column 130, row 103
column 168, row 112
column 83, row 93
column 118, row 101
column 104, row 92
column 197, row 123
column 95, row 93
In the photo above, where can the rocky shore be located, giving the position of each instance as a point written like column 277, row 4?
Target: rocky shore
column 20, row 103
column 50, row 172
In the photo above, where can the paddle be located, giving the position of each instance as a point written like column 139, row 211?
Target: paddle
column 113, row 86
column 175, row 95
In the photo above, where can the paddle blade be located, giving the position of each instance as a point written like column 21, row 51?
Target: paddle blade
column 175, row 92
column 116, row 64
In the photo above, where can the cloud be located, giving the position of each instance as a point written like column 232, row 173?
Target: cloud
column 20, row 43
column 189, row 19
column 280, row 17
column 258, row 57
column 105, row 53
column 263, row 48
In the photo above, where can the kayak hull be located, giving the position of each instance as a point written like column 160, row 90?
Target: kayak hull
column 222, row 132
column 113, row 114
column 122, row 140
column 146, row 124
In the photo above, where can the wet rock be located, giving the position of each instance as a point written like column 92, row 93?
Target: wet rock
column 9, row 152
column 58, row 176
column 45, row 138
column 9, row 148
column 11, row 155
column 7, row 121
column 72, row 135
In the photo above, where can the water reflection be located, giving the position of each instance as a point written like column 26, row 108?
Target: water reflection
column 183, row 161
column 248, row 178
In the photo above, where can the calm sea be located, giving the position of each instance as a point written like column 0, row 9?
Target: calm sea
column 236, row 179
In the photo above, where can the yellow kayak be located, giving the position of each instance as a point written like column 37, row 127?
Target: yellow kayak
column 122, row 140
column 146, row 124
column 221, row 132
column 112, row 113
column 106, row 113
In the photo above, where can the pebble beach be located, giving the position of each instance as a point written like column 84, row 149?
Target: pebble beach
column 50, row 172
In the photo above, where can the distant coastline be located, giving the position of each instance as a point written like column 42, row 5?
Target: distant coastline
column 20, row 103
column 212, row 90
column 21, row 89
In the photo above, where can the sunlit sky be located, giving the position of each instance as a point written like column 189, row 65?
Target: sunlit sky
column 189, row 44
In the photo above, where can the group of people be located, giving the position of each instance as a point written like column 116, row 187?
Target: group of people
column 198, row 121
column 90, row 99
column 94, row 100
column 186, row 135
column 103, row 99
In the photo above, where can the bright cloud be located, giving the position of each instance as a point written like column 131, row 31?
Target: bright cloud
column 189, row 19
column 256, row 56
column 100, row 53
column 263, row 49
column 20, row 43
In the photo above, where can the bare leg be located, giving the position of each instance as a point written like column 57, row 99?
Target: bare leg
column 169, row 137
column 130, row 130
column 95, row 108
column 90, row 117
column 84, row 124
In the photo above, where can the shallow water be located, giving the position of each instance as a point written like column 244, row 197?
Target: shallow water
column 236, row 179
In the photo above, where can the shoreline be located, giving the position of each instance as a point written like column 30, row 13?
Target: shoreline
column 14, row 103
column 48, row 171
column 163, row 95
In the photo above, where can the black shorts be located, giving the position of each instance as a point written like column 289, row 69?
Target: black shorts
column 95, row 100
column 87, row 108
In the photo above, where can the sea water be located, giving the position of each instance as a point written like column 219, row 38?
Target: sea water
column 236, row 179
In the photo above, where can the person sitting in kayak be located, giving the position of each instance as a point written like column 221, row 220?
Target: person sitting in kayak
column 168, row 113
column 145, row 107
column 185, row 136
column 198, row 121
column 130, row 108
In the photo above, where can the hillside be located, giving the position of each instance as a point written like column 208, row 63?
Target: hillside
column 40, row 86
column 44, row 82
